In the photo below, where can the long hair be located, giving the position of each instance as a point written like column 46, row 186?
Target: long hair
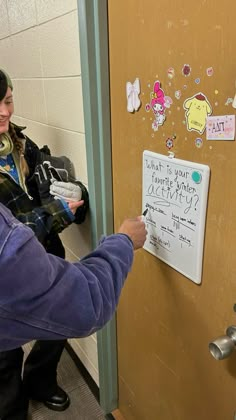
column 6, row 82
column 19, row 145
column 3, row 85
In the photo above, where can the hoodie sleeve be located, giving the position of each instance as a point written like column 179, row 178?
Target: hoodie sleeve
column 50, row 298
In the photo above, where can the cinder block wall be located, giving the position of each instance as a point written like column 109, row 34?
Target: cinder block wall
column 39, row 47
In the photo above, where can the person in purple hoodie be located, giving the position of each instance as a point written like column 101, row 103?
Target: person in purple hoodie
column 44, row 297
column 41, row 192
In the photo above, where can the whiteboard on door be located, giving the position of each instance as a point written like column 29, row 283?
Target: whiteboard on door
column 175, row 193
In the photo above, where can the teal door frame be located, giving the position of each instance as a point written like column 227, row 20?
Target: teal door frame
column 93, row 32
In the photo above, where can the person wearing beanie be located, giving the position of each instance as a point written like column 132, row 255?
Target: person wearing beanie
column 41, row 192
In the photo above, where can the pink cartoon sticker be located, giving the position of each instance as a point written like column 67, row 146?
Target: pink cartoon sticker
column 197, row 110
column 158, row 104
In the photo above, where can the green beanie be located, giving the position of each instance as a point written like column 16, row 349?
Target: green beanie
column 9, row 82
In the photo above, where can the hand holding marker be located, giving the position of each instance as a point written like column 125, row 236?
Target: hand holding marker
column 144, row 214
column 143, row 217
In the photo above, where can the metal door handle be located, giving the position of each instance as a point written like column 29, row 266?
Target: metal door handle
column 224, row 345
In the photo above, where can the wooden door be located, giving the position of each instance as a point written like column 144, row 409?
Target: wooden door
column 165, row 321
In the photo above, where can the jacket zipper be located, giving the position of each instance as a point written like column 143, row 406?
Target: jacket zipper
column 13, row 179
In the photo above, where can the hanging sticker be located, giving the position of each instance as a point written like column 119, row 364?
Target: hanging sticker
column 170, row 72
column 186, row 70
column 178, row 94
column 198, row 142
column 132, row 93
column 159, row 102
column 209, row 71
column 197, row 110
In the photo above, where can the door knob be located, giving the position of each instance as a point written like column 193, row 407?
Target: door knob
column 224, row 345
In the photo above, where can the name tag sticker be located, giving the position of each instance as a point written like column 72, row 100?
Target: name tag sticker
column 220, row 127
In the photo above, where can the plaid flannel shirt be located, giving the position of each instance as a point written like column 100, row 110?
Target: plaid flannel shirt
column 44, row 220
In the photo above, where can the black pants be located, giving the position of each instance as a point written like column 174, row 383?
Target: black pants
column 39, row 377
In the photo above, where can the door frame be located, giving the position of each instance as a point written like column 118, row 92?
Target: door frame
column 93, row 34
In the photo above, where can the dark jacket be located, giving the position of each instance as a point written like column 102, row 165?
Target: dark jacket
column 45, row 220
column 45, row 297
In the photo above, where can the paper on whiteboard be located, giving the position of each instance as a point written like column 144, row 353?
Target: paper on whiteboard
column 175, row 192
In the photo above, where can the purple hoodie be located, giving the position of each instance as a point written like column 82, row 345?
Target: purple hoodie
column 44, row 297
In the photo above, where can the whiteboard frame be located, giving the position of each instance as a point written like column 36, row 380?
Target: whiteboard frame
column 197, row 276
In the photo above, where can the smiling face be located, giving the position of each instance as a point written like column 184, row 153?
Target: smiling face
column 6, row 111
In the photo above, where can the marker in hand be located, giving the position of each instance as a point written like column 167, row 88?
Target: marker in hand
column 144, row 214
